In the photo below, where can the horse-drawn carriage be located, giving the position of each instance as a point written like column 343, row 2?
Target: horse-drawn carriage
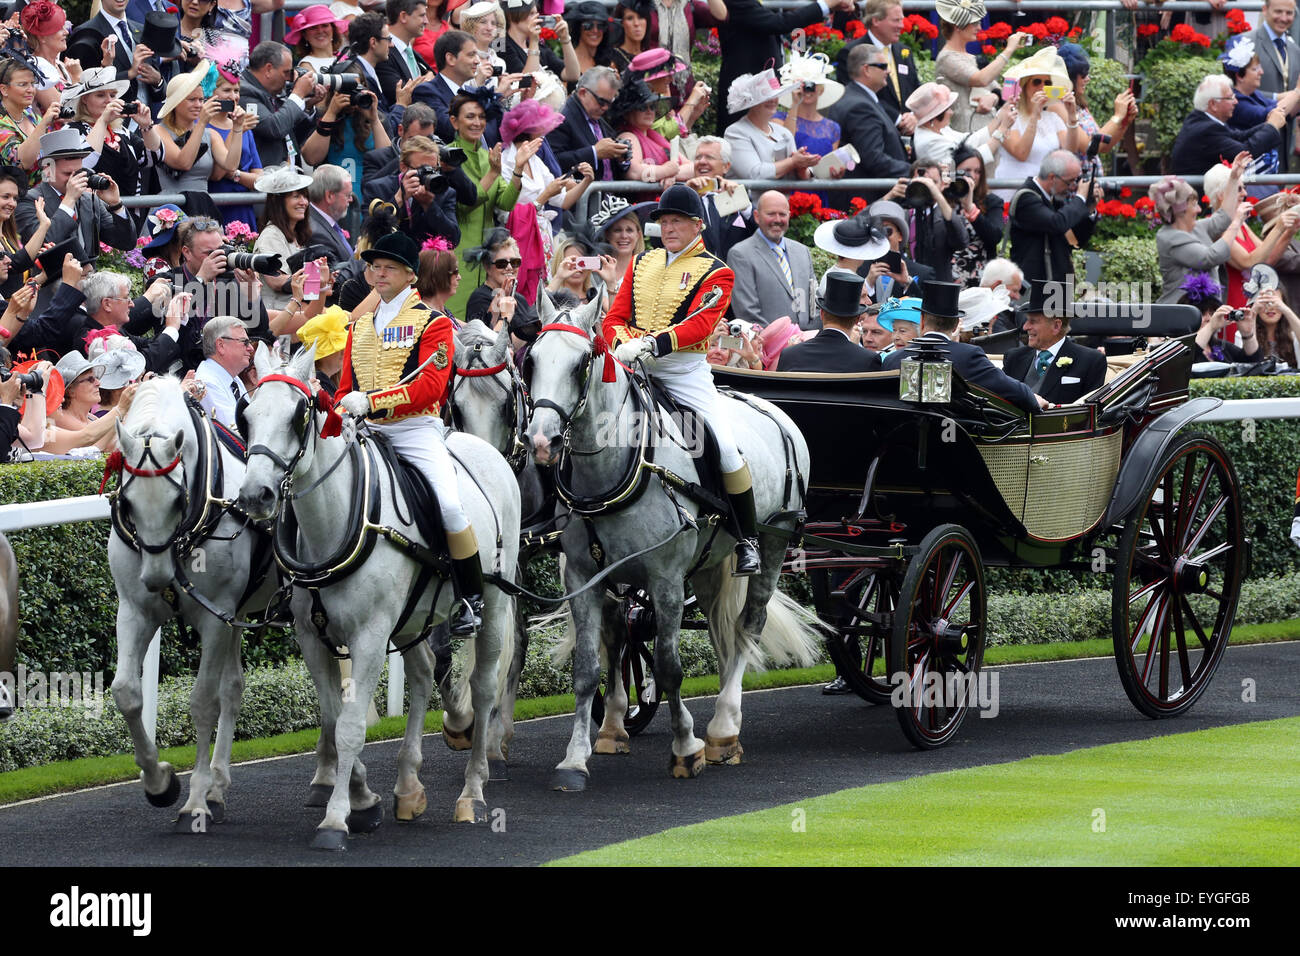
column 920, row 480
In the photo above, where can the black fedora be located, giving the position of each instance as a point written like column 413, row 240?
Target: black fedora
column 159, row 34
column 1050, row 298
column 397, row 246
column 682, row 200
column 940, row 299
column 843, row 295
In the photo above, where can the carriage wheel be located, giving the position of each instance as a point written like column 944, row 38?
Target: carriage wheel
column 937, row 643
column 1179, row 568
column 859, row 643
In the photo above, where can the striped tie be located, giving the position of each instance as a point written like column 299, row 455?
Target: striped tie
column 785, row 266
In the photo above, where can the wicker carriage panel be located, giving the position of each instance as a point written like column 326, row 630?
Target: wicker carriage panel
column 1070, row 484
column 1008, row 464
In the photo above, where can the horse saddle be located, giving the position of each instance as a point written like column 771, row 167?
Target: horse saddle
column 415, row 490
column 700, row 442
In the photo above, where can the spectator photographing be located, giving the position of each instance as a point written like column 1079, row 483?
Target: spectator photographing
column 1045, row 213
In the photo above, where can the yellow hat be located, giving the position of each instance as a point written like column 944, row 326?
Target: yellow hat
column 327, row 331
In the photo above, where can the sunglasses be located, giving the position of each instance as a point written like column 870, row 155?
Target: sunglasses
column 592, row 25
column 507, row 263
column 599, row 99
column 203, row 225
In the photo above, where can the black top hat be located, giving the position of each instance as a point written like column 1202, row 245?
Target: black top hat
column 397, row 246
column 940, row 299
column 682, row 200
column 84, row 44
column 843, row 296
column 51, row 260
column 159, row 34
column 1049, row 298
column 587, row 10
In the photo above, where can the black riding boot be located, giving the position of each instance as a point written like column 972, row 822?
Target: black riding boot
column 742, row 511
column 467, row 580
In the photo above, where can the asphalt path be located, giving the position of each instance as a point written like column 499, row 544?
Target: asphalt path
column 798, row 744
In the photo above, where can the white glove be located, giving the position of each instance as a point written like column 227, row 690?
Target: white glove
column 629, row 352
column 1295, row 531
column 356, row 404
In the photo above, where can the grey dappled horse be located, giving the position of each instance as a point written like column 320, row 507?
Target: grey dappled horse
column 323, row 480
column 164, row 485
column 579, row 421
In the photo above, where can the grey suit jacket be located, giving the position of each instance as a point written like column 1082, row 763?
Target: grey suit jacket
column 280, row 119
column 94, row 224
column 1272, row 81
column 761, row 293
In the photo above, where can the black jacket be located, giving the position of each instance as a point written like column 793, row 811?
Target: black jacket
column 829, row 351
column 1038, row 228
column 394, row 71
column 970, row 362
column 908, row 80
column 719, row 234
column 750, row 37
column 866, row 125
column 938, row 238
column 425, row 222
column 9, row 419
column 279, row 117
column 1087, row 366
column 572, row 140
column 1204, row 142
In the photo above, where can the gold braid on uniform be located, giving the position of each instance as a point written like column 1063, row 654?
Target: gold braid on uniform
column 657, row 288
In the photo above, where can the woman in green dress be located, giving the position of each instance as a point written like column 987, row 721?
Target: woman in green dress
column 483, row 168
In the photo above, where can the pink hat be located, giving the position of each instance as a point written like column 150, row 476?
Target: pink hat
column 776, row 336
column 657, row 64
column 530, row 116
column 313, row 16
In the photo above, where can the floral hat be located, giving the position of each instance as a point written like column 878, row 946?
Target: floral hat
column 162, row 225
column 750, row 89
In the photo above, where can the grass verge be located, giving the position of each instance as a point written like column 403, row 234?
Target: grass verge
column 94, row 771
column 1224, row 796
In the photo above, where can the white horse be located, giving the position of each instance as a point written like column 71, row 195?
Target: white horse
column 589, row 429
column 354, row 572
column 171, row 528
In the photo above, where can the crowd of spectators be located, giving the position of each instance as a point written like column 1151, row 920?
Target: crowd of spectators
column 480, row 128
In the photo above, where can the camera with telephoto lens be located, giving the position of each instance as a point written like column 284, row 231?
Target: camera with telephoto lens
column 452, row 155
column 917, row 196
column 350, row 84
column 237, row 259
column 431, row 178
column 958, row 189
column 32, row 381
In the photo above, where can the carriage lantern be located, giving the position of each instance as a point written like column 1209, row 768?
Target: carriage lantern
column 926, row 378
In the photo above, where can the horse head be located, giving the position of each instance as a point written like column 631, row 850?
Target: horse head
column 156, row 439
column 559, row 371
column 482, row 391
column 277, row 422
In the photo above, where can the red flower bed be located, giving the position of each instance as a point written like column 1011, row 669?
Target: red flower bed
column 915, row 23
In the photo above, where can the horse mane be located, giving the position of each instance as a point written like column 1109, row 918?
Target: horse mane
column 158, row 408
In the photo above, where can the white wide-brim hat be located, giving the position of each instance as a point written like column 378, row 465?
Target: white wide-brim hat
column 853, row 238
column 813, row 68
column 282, row 179
column 92, row 81
column 982, row 306
column 180, row 87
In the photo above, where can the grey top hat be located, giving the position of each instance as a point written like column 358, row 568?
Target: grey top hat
column 66, row 143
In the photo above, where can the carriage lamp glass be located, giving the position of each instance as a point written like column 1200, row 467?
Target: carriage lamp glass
column 909, row 380
column 936, row 382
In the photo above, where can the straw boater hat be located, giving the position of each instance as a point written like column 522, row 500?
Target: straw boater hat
column 750, row 89
column 813, row 68
column 930, row 100
column 180, row 87
column 961, row 13
column 92, row 81
column 1045, row 62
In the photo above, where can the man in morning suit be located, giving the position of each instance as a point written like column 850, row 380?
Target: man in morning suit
column 833, row 349
column 1043, row 211
column 1054, row 366
column 884, row 20
column 865, row 124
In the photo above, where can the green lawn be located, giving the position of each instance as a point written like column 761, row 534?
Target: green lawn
column 1226, row 796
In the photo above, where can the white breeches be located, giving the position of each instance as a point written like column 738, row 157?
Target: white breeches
column 686, row 377
column 422, row 441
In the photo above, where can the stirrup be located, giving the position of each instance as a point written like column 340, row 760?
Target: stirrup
column 470, row 616
column 748, row 561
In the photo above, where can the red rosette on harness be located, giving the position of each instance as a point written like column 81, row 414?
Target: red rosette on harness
column 600, row 348
column 112, row 466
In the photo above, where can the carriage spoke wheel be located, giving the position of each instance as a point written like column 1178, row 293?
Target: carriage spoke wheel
column 937, row 643
column 1179, row 567
column 861, row 617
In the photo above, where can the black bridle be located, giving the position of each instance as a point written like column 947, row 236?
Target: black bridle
column 160, row 470
column 516, row 392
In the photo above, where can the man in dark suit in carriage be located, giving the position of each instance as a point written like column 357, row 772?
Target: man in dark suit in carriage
column 939, row 318
column 1054, row 366
column 833, row 349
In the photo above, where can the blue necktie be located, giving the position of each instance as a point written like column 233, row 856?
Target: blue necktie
column 343, row 239
column 1280, row 43
column 126, row 36
column 1044, row 362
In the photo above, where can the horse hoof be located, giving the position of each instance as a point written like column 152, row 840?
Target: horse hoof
column 616, row 743
column 196, row 821
column 459, row 739
column 570, row 781
column 684, row 768
column 318, row 795
column 723, row 750
column 408, row 806
column 469, row 810
column 218, row 811
column 169, row 795
column 330, row 840
column 367, row 820
column 498, row 770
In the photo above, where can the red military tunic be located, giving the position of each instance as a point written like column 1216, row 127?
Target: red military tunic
column 375, row 365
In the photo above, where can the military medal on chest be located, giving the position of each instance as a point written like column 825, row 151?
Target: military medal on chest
column 399, row 337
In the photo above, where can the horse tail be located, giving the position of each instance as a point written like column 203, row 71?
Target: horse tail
column 792, row 635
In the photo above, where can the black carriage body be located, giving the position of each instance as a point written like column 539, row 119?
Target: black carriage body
column 1032, row 490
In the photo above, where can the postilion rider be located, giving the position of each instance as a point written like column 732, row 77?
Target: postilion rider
column 384, row 347
column 660, row 318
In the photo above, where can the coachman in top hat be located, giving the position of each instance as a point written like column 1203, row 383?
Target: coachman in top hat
column 664, row 313
column 404, row 338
